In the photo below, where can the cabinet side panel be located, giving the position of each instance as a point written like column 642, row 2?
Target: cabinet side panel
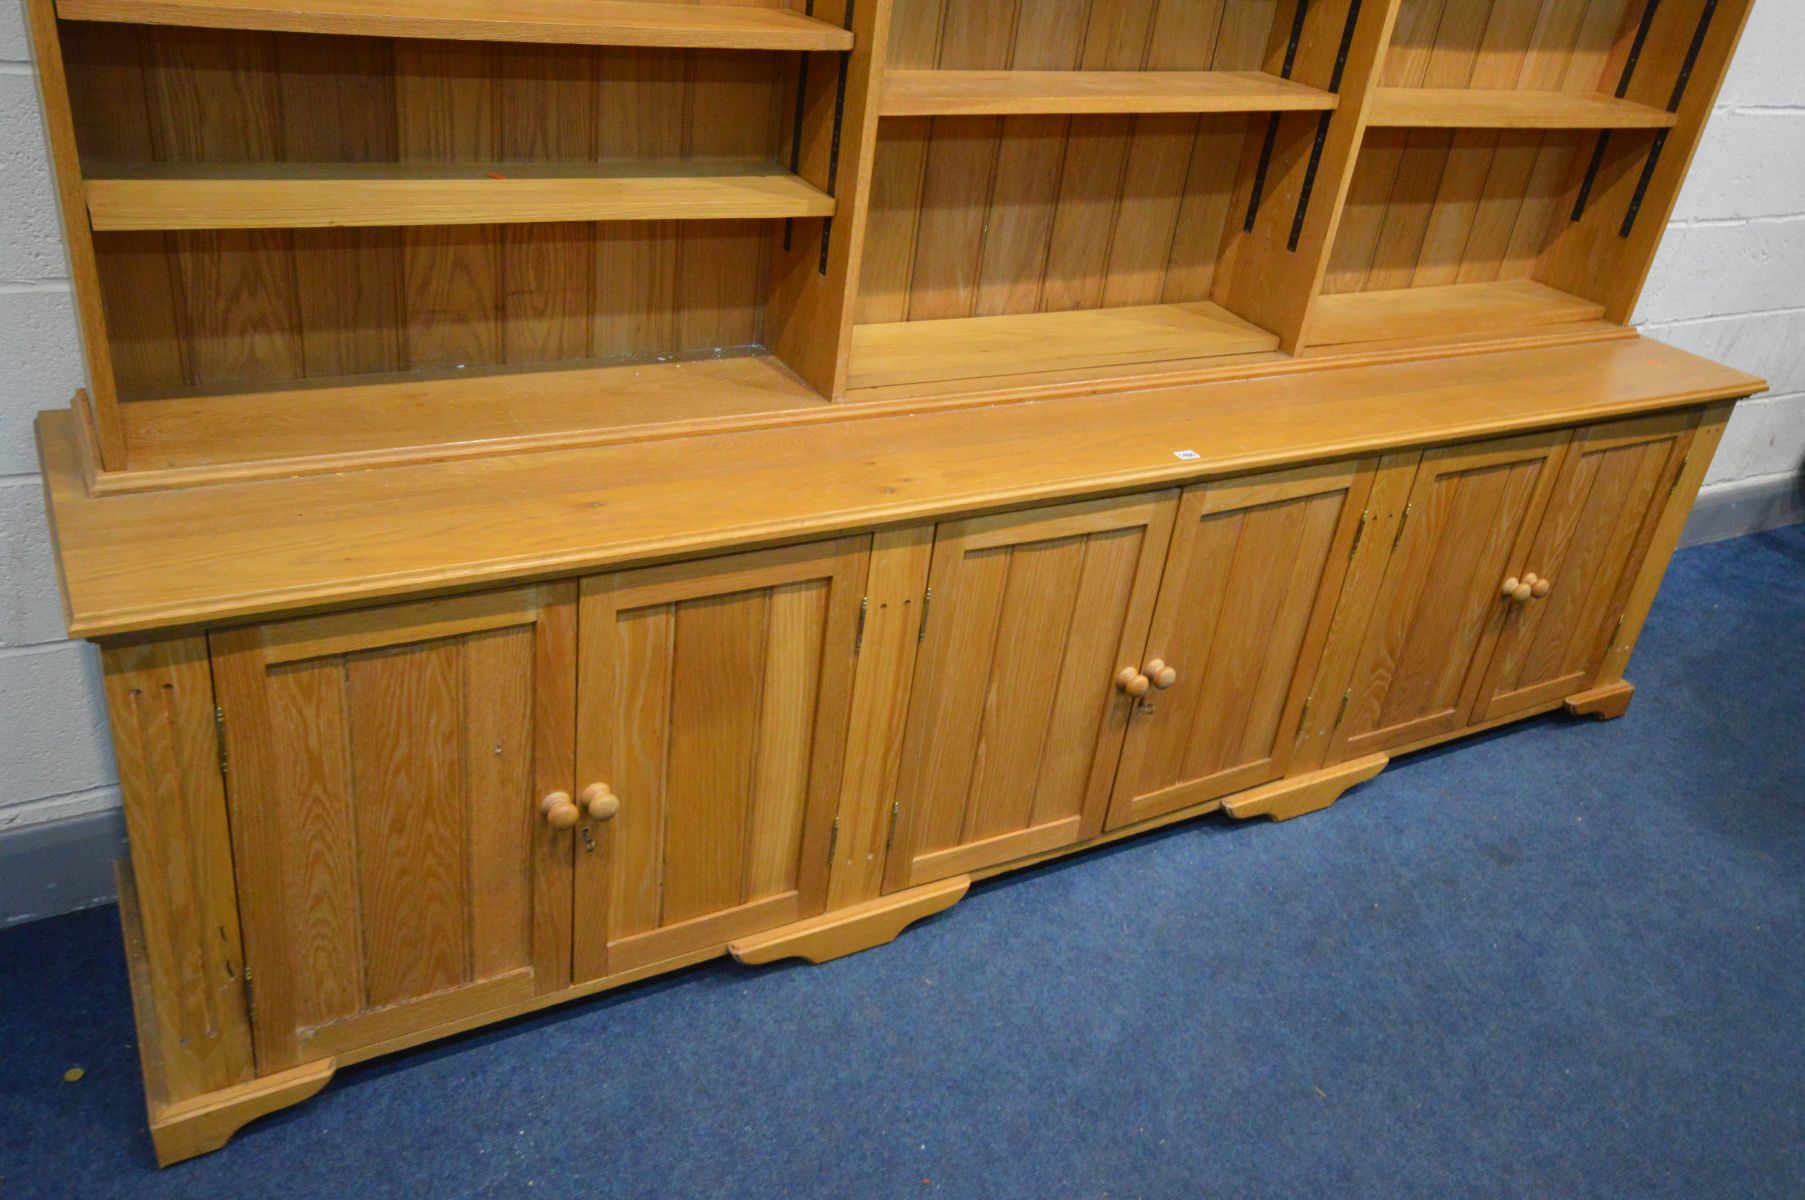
column 160, row 697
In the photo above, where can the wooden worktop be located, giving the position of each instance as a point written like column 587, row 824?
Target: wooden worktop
column 213, row 554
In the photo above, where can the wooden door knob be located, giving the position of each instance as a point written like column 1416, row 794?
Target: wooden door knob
column 1162, row 676
column 559, row 812
column 1540, row 588
column 1133, row 682
column 600, row 802
column 1519, row 590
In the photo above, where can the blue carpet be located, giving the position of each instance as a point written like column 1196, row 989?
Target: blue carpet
column 1563, row 960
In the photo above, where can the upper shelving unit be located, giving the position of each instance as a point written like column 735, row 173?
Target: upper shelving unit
column 1505, row 108
column 325, row 195
column 570, row 22
column 976, row 93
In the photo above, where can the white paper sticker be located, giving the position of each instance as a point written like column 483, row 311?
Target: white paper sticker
column 1186, row 455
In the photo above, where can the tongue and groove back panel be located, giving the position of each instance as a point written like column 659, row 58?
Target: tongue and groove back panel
column 1430, row 207
column 219, row 308
column 991, row 216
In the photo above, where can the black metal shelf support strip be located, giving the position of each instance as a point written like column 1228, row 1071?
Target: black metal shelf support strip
column 1272, row 122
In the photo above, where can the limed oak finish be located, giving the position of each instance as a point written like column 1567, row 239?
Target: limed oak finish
column 571, row 489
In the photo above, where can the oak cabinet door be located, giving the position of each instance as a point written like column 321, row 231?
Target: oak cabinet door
column 1607, row 501
column 1015, row 720
column 1464, row 529
column 384, row 775
column 713, row 704
column 1250, row 584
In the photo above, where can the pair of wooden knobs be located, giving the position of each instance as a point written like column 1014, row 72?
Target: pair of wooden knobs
column 598, row 799
column 1530, row 587
column 1157, row 675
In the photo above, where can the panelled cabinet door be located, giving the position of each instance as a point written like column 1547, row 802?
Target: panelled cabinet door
column 385, row 772
column 1249, row 587
column 1465, row 528
column 1016, row 719
column 713, row 708
column 1601, row 518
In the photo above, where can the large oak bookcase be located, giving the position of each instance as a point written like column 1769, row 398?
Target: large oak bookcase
column 789, row 459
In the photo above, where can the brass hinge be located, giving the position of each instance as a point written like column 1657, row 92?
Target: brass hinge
column 1341, row 714
column 895, row 811
column 1616, row 631
column 833, row 842
column 1303, row 718
column 250, row 998
column 219, row 735
column 1359, row 534
column 858, row 643
column 1679, row 475
column 927, row 602
column 1402, row 523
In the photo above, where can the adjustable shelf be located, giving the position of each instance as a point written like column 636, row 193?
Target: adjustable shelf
column 322, row 195
column 975, row 93
column 901, row 352
column 1452, row 311
column 570, row 22
column 1503, row 108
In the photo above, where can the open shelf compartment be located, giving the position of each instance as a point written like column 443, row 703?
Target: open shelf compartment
column 1453, row 311
column 331, row 424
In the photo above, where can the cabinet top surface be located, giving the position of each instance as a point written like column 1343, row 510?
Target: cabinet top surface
column 132, row 563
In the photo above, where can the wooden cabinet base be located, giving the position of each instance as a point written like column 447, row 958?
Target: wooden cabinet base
column 204, row 1124
column 736, row 751
column 1286, row 798
column 837, row 934
column 200, row 1124
column 1607, row 703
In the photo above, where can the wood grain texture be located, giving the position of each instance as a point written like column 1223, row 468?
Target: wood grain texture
column 177, row 557
column 895, row 608
column 967, row 93
column 387, row 768
column 379, row 194
column 852, row 928
column 1467, row 525
column 59, row 98
column 324, row 128
column 1600, row 522
column 1003, row 214
column 1015, row 722
column 1451, row 310
column 1467, row 108
column 1250, row 585
column 713, row 700
column 977, row 347
column 160, row 701
column 590, row 22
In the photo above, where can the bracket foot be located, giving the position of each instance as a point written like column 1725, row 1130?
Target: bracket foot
column 849, row 930
column 1283, row 799
column 1607, row 703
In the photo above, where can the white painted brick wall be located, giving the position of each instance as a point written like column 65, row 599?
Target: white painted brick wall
column 1729, row 283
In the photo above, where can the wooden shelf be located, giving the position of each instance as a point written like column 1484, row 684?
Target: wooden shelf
column 427, row 416
column 952, row 93
column 983, row 347
column 1463, row 108
column 1455, row 311
column 314, row 195
column 578, row 22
